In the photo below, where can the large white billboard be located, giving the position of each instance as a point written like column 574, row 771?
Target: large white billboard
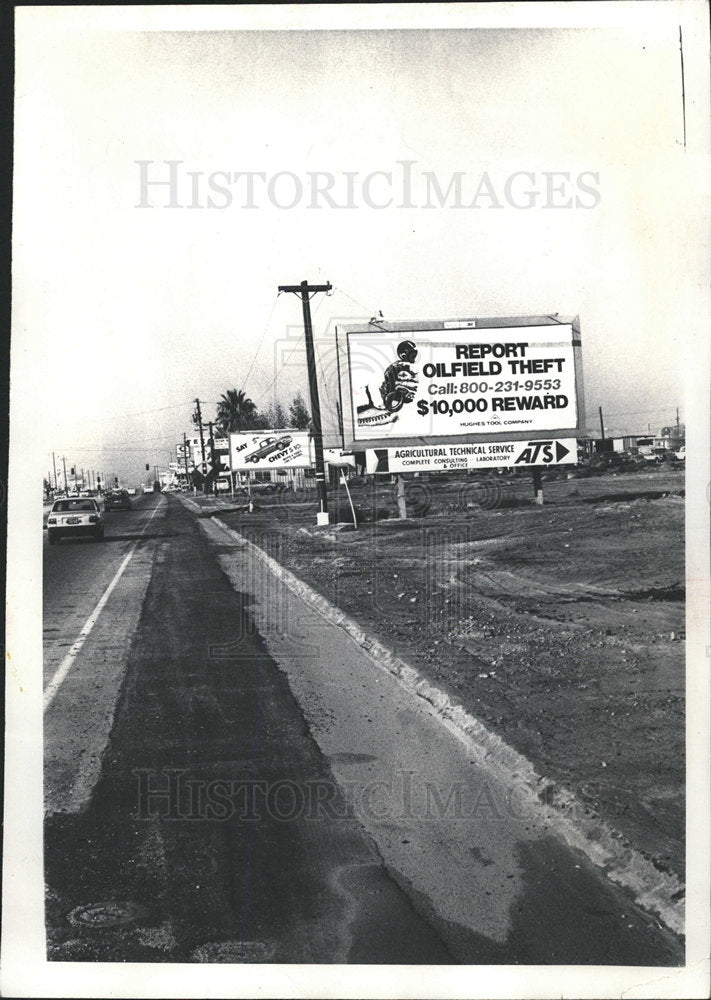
column 276, row 449
column 461, row 380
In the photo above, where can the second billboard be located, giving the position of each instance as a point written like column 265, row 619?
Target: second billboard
column 259, row 450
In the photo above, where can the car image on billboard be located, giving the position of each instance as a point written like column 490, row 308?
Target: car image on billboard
column 267, row 447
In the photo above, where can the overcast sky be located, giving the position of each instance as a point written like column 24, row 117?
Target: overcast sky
column 123, row 314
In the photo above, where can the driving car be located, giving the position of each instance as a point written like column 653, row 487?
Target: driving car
column 117, row 500
column 267, row 446
column 73, row 517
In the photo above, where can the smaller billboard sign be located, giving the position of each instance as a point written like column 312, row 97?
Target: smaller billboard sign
column 336, row 456
column 482, row 455
column 271, row 450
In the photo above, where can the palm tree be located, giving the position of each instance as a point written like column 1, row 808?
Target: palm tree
column 235, row 412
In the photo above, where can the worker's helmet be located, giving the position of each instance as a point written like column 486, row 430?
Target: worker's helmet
column 407, row 351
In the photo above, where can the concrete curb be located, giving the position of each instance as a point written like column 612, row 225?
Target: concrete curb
column 655, row 891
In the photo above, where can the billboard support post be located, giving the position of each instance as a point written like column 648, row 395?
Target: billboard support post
column 401, row 502
column 538, row 486
column 304, row 290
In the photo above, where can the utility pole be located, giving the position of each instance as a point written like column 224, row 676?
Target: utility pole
column 211, row 443
column 185, row 456
column 64, row 484
column 198, row 414
column 602, row 425
column 304, row 290
column 677, row 424
column 54, row 465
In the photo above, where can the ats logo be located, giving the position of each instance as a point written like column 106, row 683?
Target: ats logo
column 542, row 453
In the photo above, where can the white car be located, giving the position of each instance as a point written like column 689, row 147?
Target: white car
column 681, row 454
column 131, row 491
column 75, row 517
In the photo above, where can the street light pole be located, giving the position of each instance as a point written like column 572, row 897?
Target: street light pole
column 304, row 290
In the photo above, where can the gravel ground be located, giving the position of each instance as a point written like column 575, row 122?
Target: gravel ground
column 560, row 626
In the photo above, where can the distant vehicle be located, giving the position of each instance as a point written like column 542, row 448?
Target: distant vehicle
column 117, row 500
column 267, row 447
column 131, row 491
column 681, row 453
column 73, row 517
column 148, row 488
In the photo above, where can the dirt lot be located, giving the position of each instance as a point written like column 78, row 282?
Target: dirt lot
column 560, row 626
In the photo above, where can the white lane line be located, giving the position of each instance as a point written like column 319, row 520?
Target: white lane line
column 68, row 662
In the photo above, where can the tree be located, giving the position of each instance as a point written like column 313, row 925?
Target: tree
column 279, row 416
column 300, row 417
column 276, row 417
column 236, row 412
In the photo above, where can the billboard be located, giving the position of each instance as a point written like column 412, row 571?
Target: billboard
column 455, row 381
column 482, row 455
column 275, row 449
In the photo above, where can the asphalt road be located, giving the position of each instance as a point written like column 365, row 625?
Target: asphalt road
column 215, row 766
column 142, row 865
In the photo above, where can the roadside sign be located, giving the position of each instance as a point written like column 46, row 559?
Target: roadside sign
column 489, row 454
column 338, row 457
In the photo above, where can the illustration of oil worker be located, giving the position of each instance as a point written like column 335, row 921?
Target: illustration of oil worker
column 399, row 383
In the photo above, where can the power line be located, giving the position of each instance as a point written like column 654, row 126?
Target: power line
column 147, row 442
column 297, row 343
column 631, row 413
column 142, row 413
column 264, row 333
column 360, row 304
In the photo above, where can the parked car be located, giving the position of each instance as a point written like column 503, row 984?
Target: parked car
column 75, row 517
column 131, row 491
column 681, row 454
column 117, row 500
column 148, row 488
